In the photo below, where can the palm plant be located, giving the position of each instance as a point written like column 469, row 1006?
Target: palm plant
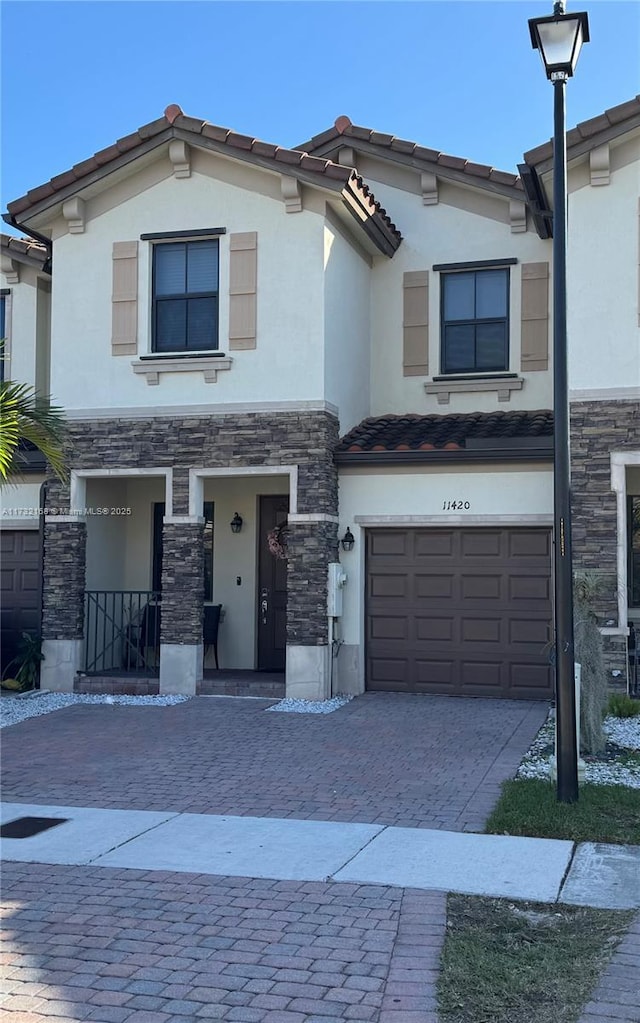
column 26, row 416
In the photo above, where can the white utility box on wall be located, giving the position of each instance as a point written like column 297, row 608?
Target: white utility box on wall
column 337, row 581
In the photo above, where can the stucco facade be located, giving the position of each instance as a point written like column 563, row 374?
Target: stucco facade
column 333, row 262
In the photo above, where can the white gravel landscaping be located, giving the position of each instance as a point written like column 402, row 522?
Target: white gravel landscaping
column 610, row 769
column 14, row 709
column 311, row 706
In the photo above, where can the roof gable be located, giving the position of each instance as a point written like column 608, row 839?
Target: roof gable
column 344, row 182
column 390, row 148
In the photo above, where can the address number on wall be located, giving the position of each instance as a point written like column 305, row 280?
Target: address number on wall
column 456, row 505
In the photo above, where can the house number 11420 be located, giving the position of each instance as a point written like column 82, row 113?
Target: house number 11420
column 456, row 505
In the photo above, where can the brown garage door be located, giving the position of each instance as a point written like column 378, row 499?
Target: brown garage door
column 462, row 612
column 20, row 588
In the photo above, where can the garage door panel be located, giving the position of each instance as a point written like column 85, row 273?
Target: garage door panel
column 464, row 612
column 482, row 630
column 429, row 544
column 438, row 587
column 386, row 585
column 481, row 543
column 528, row 681
column 529, row 543
column 388, row 627
column 434, row 629
column 389, row 543
column 481, row 587
column 529, row 630
column 435, row 672
column 530, row 588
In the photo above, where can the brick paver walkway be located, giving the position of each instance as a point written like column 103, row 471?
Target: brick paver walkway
column 412, row 761
column 116, row 946
column 616, row 999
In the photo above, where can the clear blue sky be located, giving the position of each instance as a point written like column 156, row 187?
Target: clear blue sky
column 459, row 76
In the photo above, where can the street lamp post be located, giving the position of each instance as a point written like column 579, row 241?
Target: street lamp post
column 559, row 39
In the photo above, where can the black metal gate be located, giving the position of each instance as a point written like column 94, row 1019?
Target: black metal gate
column 122, row 632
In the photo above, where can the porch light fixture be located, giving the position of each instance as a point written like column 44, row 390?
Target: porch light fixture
column 236, row 523
column 348, row 540
column 559, row 40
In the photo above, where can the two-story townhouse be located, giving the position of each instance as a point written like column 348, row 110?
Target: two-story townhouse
column 311, row 372
column 447, row 485
column 210, row 341
column 25, row 296
column 603, row 326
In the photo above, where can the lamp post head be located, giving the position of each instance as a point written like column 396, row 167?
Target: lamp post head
column 559, row 39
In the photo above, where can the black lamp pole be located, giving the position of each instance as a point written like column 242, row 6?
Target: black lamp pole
column 567, row 745
column 559, row 39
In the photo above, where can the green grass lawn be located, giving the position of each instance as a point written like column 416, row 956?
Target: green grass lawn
column 506, row 962
column 603, row 813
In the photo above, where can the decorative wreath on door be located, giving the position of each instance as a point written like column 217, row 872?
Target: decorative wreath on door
column 277, row 541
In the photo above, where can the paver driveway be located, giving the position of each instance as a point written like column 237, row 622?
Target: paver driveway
column 413, row 761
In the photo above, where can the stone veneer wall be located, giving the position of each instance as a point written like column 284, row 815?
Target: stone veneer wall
column 65, row 545
column 310, row 547
column 182, row 583
column 306, row 439
column 597, row 428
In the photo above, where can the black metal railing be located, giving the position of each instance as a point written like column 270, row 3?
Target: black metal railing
column 122, row 632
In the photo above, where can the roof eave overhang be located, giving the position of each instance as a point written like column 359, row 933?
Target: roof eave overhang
column 537, row 201
column 38, row 263
column 525, row 454
column 542, row 157
column 459, row 176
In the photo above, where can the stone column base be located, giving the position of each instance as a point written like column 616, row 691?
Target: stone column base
column 62, row 660
column 180, row 668
column 308, row 673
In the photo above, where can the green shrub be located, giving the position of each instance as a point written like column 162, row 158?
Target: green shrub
column 622, row 706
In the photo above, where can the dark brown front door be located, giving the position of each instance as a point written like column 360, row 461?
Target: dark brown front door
column 272, row 588
column 20, row 588
column 465, row 612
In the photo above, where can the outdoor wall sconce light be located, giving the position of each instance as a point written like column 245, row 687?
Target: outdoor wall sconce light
column 236, row 523
column 348, row 540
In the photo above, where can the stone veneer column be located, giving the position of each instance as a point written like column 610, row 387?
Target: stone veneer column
column 597, row 429
column 311, row 546
column 181, row 642
column 65, row 546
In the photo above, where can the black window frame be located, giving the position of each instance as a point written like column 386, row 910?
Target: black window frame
column 185, row 348
column 4, row 294
column 456, row 269
column 633, row 556
column 208, row 511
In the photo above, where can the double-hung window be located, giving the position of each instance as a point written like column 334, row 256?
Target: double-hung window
column 475, row 321
column 185, row 296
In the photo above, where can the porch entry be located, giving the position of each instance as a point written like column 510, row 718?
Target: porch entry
column 272, row 587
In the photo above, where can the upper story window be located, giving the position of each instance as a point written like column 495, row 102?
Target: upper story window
column 475, row 321
column 185, row 296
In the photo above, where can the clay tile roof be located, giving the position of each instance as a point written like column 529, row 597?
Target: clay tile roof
column 23, row 248
column 345, row 130
column 625, row 116
column 175, row 119
column 433, row 432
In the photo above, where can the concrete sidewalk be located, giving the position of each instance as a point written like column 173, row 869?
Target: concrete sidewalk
column 543, row 870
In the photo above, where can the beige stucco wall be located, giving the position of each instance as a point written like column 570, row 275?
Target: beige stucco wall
column 602, row 270
column 347, row 361
column 445, row 233
column 506, row 495
column 288, row 361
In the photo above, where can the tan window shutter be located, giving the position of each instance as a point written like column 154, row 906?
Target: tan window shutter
column 124, row 299
column 415, row 323
column 243, row 270
column 535, row 317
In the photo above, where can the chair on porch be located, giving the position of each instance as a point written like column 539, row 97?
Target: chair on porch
column 210, row 630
